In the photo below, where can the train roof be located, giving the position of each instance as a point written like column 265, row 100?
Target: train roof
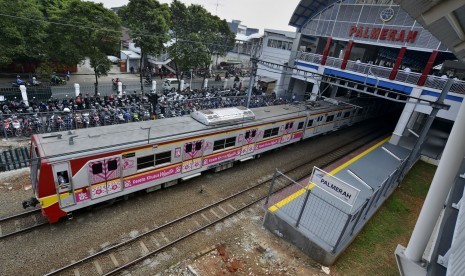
column 60, row 145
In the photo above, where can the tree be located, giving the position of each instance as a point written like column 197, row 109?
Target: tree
column 148, row 22
column 91, row 30
column 21, row 38
column 195, row 30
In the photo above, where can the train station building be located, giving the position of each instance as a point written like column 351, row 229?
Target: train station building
column 376, row 48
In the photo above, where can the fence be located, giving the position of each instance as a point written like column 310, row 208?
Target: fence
column 434, row 82
column 329, row 222
column 13, row 159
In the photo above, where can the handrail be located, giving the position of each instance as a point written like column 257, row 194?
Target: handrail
column 432, row 81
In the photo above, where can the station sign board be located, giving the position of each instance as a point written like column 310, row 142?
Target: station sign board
column 334, row 186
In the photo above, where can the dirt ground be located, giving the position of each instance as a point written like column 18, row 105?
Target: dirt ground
column 249, row 250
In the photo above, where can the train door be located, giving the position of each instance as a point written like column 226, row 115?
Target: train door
column 105, row 176
column 192, row 156
column 248, row 143
column 63, row 184
column 317, row 123
column 287, row 132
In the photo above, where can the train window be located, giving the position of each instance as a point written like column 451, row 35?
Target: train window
column 198, row 145
column 247, row 134
column 112, row 165
column 188, row 147
column 145, row 162
column 97, row 168
column 287, row 126
column 274, row 131
column 310, row 123
column 320, row 118
column 162, row 158
column 339, row 114
column 219, row 144
column 62, row 177
column 291, row 125
column 330, row 118
column 230, row 142
column 254, row 132
column 224, row 143
column 300, row 126
column 347, row 114
column 271, row 132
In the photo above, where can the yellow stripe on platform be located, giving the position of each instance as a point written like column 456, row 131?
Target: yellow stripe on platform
column 273, row 208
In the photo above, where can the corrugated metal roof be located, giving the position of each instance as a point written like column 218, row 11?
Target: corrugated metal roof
column 306, row 9
column 444, row 19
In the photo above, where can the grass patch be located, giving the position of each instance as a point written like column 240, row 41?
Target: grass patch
column 372, row 251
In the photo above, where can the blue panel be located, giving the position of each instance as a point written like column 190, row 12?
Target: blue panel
column 384, row 84
column 298, row 63
column 436, row 94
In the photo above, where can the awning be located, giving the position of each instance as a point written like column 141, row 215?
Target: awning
column 131, row 54
column 267, row 79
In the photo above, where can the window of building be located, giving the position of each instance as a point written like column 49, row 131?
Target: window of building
column 145, row 162
column 300, row 125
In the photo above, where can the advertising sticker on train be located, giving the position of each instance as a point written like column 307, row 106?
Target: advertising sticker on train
column 334, row 186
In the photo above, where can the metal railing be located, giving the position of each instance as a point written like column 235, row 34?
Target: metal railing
column 433, row 82
column 332, row 224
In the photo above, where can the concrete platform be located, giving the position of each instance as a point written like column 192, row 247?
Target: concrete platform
column 327, row 225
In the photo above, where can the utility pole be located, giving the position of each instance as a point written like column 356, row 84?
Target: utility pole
column 253, row 73
column 252, row 78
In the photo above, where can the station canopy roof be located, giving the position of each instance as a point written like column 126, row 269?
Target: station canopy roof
column 306, row 9
column 444, row 19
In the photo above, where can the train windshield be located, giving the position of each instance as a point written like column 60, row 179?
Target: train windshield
column 35, row 167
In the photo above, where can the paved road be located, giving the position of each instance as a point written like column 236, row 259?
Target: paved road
column 86, row 79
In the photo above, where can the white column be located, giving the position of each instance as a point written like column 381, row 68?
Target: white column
column 182, row 85
column 77, row 89
column 23, row 89
column 225, row 83
column 405, row 116
column 334, row 90
column 413, row 119
column 120, row 88
column 205, row 83
column 443, row 180
column 316, row 84
column 154, row 86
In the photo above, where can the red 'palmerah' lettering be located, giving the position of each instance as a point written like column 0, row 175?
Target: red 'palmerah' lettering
column 383, row 34
column 392, row 34
column 411, row 36
column 375, row 33
column 401, row 36
column 352, row 30
column 359, row 32
column 365, row 33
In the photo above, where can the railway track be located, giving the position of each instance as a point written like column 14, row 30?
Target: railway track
column 19, row 223
column 119, row 257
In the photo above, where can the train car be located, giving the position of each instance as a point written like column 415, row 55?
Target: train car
column 75, row 169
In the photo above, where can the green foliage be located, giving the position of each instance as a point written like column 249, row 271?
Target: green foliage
column 90, row 30
column 372, row 252
column 148, row 22
column 196, row 36
column 21, row 39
